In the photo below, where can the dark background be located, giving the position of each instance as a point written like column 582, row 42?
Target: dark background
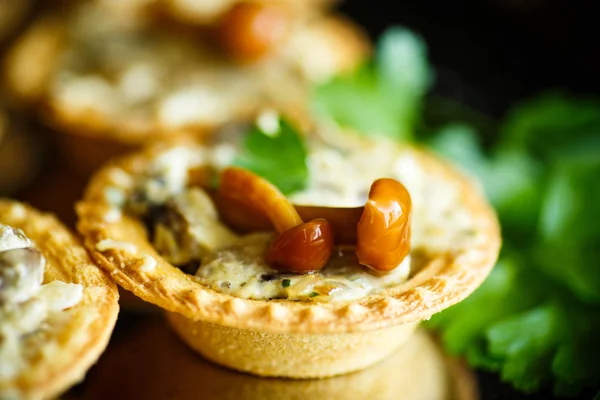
column 490, row 53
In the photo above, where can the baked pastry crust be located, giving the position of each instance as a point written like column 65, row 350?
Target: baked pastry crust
column 69, row 351
column 446, row 278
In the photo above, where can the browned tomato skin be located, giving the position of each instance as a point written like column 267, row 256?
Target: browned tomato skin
column 250, row 30
column 302, row 249
column 383, row 232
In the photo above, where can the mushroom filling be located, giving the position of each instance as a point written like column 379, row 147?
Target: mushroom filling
column 26, row 305
column 184, row 226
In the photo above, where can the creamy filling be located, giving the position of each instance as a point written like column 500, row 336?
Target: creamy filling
column 26, row 305
column 241, row 271
column 185, row 227
column 187, row 232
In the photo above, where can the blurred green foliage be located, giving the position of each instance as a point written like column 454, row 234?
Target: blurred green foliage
column 376, row 98
column 536, row 319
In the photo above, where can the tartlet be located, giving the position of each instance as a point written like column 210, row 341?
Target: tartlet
column 109, row 83
column 251, row 323
column 52, row 331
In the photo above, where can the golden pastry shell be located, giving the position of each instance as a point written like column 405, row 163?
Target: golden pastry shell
column 81, row 341
column 445, row 280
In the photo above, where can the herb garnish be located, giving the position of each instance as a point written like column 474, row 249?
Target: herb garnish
column 384, row 96
column 313, row 294
column 286, row 283
column 535, row 320
column 274, row 150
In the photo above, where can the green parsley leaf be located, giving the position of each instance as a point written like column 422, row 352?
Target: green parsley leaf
column 549, row 123
column 382, row 97
column 286, row 283
column 535, row 319
column 279, row 156
column 510, row 177
column 313, row 294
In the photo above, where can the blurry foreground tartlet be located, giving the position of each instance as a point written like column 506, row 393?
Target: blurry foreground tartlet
column 57, row 309
column 291, row 298
column 108, row 83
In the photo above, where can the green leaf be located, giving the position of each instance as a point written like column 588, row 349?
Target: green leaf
column 548, row 123
column 278, row 156
column 460, row 144
column 526, row 343
column 536, row 318
column 503, row 294
column 383, row 97
column 510, row 177
column 569, row 243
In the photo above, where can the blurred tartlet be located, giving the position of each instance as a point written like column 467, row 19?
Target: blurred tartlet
column 57, row 308
column 108, row 83
column 150, row 220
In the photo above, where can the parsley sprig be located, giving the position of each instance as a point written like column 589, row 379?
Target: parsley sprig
column 536, row 319
column 382, row 97
column 275, row 151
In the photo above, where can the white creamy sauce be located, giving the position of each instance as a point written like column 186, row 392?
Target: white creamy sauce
column 21, row 316
column 240, row 270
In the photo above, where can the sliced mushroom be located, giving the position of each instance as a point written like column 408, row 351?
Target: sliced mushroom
column 21, row 274
column 187, row 228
